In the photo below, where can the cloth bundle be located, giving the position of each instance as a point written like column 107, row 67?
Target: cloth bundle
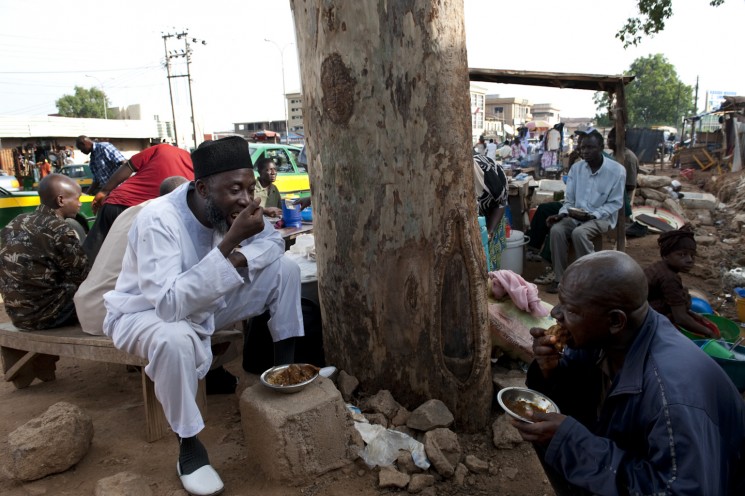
column 523, row 294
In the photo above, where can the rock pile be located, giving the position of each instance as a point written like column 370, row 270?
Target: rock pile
column 429, row 424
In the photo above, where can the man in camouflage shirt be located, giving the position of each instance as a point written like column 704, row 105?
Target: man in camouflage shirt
column 42, row 262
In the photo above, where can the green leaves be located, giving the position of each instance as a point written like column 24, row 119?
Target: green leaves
column 656, row 97
column 651, row 20
column 84, row 103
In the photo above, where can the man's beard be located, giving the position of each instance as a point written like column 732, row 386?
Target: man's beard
column 215, row 217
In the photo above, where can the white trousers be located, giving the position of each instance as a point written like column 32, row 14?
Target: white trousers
column 179, row 353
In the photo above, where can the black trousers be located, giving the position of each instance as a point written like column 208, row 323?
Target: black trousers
column 104, row 220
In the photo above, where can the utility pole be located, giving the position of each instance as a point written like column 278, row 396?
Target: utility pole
column 695, row 112
column 186, row 53
column 170, row 89
column 284, row 91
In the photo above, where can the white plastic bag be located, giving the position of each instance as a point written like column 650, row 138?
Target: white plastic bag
column 384, row 444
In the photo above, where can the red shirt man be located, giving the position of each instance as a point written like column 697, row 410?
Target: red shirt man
column 151, row 167
column 124, row 189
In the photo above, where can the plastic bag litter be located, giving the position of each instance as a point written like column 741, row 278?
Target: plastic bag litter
column 383, row 446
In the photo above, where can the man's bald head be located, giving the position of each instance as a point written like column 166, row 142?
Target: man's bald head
column 171, row 183
column 606, row 279
column 52, row 186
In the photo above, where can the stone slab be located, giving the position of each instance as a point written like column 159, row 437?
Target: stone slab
column 699, row 200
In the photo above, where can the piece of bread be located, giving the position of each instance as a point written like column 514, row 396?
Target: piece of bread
column 561, row 334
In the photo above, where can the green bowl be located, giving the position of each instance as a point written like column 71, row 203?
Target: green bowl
column 730, row 330
column 734, row 368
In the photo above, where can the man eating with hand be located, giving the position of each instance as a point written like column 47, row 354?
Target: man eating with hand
column 643, row 409
column 197, row 260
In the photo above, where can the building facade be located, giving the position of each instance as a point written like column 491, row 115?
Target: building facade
column 478, row 100
column 512, row 111
column 295, row 112
column 546, row 112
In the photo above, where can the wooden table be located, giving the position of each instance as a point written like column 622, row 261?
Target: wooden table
column 290, row 233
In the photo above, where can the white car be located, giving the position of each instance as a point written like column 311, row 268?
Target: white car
column 9, row 183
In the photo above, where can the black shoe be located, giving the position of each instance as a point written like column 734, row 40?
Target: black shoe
column 220, row 381
column 636, row 230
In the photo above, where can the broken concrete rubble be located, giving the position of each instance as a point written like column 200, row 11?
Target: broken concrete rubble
column 430, row 415
column 443, row 450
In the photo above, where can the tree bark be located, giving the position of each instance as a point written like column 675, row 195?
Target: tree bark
column 402, row 278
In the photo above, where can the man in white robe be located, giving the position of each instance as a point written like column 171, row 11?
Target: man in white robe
column 197, row 260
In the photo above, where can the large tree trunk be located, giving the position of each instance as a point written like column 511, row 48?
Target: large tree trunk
column 402, row 277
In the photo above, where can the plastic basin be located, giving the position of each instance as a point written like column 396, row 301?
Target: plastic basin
column 730, row 330
column 734, row 368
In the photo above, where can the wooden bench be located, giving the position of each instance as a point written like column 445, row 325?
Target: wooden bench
column 28, row 355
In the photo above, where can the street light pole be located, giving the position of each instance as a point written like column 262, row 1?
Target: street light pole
column 284, row 92
column 105, row 111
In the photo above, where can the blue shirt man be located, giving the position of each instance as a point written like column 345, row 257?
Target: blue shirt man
column 105, row 159
column 594, row 195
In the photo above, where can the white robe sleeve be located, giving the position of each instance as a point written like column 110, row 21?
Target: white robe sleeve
column 262, row 249
column 177, row 292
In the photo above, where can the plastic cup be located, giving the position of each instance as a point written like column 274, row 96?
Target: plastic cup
column 716, row 349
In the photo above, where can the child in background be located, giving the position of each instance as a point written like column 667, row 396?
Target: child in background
column 667, row 295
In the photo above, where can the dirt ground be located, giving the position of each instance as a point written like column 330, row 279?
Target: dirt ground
column 112, row 396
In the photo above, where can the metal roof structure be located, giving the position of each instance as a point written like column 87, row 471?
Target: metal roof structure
column 593, row 82
column 47, row 126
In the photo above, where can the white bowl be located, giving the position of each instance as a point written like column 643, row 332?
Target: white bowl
column 508, row 396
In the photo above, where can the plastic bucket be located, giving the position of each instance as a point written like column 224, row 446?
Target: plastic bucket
column 514, row 253
column 715, row 349
column 291, row 214
column 740, row 306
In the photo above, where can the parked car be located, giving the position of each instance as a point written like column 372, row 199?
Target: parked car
column 81, row 173
column 292, row 177
column 9, row 183
column 13, row 203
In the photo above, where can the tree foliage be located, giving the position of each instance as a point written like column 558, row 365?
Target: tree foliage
column 656, row 96
column 84, row 103
column 651, row 20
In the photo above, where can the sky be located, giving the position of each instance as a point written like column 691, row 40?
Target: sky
column 47, row 47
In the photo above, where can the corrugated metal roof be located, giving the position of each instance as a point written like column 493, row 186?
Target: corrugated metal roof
column 48, row 127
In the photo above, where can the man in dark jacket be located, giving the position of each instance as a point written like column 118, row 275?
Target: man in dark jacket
column 644, row 410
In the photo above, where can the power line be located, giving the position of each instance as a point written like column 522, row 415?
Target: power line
column 80, row 72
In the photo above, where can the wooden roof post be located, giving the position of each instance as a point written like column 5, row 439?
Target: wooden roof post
column 620, row 126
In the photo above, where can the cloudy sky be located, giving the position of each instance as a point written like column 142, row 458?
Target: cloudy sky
column 47, row 47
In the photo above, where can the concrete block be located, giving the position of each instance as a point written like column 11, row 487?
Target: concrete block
column 542, row 197
column 295, row 437
column 699, row 200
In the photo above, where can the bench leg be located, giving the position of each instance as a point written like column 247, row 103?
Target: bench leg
column 18, row 367
column 45, row 367
column 155, row 420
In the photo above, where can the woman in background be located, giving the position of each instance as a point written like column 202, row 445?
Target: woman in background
column 491, row 189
